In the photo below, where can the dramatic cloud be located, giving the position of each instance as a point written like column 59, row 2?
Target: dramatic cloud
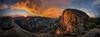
column 41, row 7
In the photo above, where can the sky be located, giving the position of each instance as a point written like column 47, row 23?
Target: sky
column 91, row 7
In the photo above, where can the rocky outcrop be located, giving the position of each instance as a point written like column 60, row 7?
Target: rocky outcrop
column 93, row 33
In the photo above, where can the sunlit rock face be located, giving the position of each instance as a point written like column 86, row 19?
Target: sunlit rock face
column 72, row 18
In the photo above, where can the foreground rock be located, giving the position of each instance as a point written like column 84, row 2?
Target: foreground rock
column 93, row 33
column 16, row 31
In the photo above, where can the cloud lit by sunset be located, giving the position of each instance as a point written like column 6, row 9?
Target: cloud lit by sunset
column 46, row 8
